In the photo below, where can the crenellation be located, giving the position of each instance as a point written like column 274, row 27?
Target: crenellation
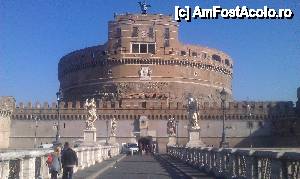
column 46, row 105
column 77, row 104
column 69, row 105
column 29, row 105
column 53, row 105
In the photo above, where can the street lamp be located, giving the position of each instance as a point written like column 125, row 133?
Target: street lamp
column 177, row 123
column 59, row 98
column 250, row 124
column 223, row 143
column 107, row 123
column 35, row 131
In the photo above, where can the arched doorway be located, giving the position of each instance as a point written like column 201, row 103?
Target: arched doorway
column 146, row 144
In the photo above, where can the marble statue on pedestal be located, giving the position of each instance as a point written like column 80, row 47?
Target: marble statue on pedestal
column 89, row 134
column 171, row 130
column 90, row 105
column 193, row 127
column 113, row 127
column 112, row 138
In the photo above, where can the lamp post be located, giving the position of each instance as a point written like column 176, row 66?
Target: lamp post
column 36, row 119
column 177, row 123
column 107, row 122
column 250, row 124
column 59, row 97
column 223, row 143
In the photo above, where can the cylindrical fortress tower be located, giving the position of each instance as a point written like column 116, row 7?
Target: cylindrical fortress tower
column 143, row 59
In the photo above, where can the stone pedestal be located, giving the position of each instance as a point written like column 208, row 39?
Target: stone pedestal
column 172, row 141
column 194, row 138
column 89, row 136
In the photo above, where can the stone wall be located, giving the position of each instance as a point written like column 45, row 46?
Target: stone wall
column 263, row 119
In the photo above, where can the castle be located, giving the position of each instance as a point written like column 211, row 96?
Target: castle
column 142, row 76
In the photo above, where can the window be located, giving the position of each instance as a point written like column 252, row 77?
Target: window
column 194, row 54
column 143, row 48
column 204, row 55
column 167, row 43
column 135, row 31
column 183, row 53
column 167, row 33
column 118, row 43
column 144, row 104
column 135, row 48
column 118, row 32
column 227, row 62
column 151, row 33
column 216, row 57
column 151, row 48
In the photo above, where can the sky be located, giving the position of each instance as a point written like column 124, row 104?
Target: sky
column 35, row 34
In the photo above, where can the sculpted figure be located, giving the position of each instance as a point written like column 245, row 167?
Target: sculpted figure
column 193, row 112
column 113, row 127
column 144, row 7
column 194, row 121
column 171, row 127
column 90, row 105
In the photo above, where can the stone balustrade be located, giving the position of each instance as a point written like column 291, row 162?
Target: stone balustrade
column 241, row 163
column 32, row 164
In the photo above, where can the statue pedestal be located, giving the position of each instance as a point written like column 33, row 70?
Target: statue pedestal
column 172, row 141
column 112, row 140
column 89, row 136
column 194, row 138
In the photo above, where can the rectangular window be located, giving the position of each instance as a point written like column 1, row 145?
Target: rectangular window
column 144, row 104
column 135, row 31
column 167, row 43
column 183, row 53
column 143, row 48
column 135, row 48
column 151, row 48
column 151, row 33
column 118, row 32
column 167, row 33
column 194, row 54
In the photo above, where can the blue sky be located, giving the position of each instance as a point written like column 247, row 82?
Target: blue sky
column 34, row 34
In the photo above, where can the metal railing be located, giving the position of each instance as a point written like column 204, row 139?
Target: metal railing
column 241, row 163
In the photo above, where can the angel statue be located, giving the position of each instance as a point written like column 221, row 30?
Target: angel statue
column 171, row 127
column 90, row 105
column 113, row 127
column 192, row 108
column 144, row 7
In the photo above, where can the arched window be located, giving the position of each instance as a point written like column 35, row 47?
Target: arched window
column 216, row 57
column 227, row 62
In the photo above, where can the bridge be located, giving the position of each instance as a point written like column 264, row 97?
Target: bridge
column 178, row 162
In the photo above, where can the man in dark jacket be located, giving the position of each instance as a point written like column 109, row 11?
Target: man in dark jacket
column 69, row 160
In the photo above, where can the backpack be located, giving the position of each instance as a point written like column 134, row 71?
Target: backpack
column 49, row 159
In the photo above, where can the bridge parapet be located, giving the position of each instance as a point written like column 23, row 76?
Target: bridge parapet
column 242, row 163
column 32, row 164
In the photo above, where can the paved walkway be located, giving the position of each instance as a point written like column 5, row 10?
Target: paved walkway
column 151, row 167
column 95, row 170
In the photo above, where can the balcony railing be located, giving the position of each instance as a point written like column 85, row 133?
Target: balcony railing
column 241, row 163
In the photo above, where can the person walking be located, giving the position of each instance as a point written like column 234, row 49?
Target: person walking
column 54, row 163
column 69, row 160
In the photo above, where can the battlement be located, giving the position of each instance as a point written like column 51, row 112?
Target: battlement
column 163, row 104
